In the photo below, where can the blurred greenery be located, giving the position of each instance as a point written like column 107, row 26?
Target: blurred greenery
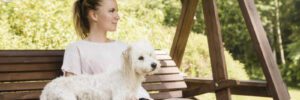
column 35, row 24
column 238, row 41
column 47, row 24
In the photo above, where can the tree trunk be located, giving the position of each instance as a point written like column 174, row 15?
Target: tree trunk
column 277, row 35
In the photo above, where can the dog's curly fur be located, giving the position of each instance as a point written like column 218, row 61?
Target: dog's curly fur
column 139, row 61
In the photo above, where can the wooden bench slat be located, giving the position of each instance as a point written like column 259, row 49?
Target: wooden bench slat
column 40, row 84
column 28, row 76
column 159, row 57
column 17, row 53
column 165, row 86
column 166, row 95
column 25, row 60
column 4, row 87
column 27, row 95
column 30, row 53
column 5, row 68
column 149, row 87
column 17, row 60
column 164, row 78
column 163, row 57
column 35, row 95
column 9, row 68
column 165, row 63
column 168, row 70
column 24, row 86
column 44, row 75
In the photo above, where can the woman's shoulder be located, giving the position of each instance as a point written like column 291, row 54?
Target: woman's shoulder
column 87, row 44
column 73, row 44
column 121, row 45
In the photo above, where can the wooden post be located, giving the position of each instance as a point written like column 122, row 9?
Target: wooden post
column 261, row 43
column 216, row 50
column 183, row 30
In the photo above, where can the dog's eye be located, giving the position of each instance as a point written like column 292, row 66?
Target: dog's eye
column 141, row 58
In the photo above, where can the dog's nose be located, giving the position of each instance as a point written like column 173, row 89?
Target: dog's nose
column 153, row 65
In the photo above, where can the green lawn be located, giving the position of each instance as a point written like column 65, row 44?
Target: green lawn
column 294, row 92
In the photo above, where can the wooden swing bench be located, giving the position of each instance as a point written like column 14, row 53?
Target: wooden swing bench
column 23, row 73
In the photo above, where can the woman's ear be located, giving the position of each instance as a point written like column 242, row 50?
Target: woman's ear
column 92, row 15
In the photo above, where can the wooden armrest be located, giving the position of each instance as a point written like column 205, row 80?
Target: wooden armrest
column 197, row 86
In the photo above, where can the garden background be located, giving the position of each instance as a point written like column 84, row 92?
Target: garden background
column 47, row 24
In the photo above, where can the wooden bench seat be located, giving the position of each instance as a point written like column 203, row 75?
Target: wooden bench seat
column 24, row 73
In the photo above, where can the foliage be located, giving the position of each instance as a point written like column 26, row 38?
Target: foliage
column 234, row 34
column 196, row 60
column 172, row 10
column 36, row 24
column 292, row 29
column 41, row 24
column 236, row 37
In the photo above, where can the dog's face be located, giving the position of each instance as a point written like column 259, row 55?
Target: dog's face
column 142, row 58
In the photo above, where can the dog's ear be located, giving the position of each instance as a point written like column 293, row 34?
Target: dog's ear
column 127, row 60
column 126, row 52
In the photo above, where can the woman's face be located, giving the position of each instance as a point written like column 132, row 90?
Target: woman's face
column 107, row 15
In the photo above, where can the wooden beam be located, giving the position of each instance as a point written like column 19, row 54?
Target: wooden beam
column 263, row 49
column 216, row 50
column 197, row 86
column 183, row 30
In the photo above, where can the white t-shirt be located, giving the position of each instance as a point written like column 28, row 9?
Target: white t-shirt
column 85, row 57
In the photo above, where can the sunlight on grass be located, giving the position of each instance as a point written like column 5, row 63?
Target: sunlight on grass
column 241, row 97
column 294, row 92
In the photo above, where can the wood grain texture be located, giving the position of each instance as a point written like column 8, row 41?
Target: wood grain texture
column 198, row 86
column 166, row 95
column 215, row 43
column 263, row 49
column 184, row 26
column 29, row 76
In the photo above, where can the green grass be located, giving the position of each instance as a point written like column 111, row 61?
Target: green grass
column 294, row 93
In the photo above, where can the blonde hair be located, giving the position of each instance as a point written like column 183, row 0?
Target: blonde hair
column 80, row 15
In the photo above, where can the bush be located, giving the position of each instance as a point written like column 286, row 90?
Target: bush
column 36, row 24
column 196, row 60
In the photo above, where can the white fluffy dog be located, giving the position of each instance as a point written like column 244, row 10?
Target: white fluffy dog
column 139, row 61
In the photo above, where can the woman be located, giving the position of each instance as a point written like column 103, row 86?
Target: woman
column 96, row 53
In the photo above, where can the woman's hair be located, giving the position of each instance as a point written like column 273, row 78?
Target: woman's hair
column 80, row 15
